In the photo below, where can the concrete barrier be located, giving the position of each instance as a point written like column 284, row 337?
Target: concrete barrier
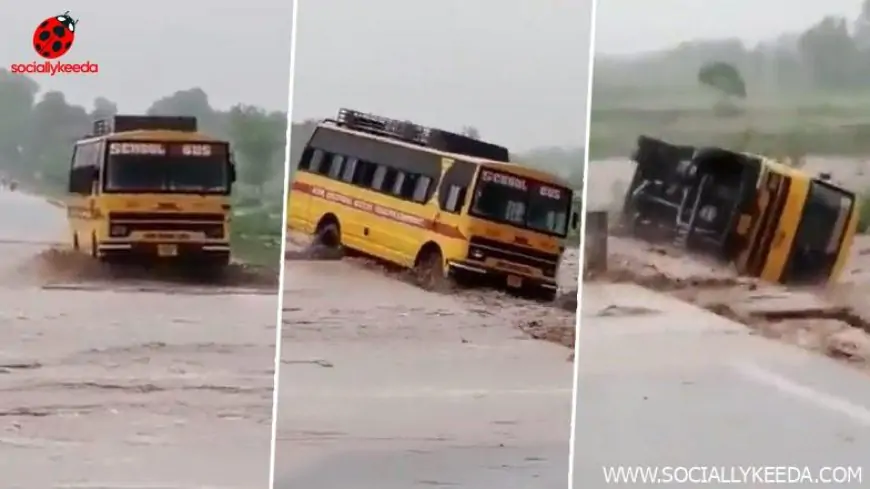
column 595, row 243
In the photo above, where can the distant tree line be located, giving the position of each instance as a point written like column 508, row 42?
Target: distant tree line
column 37, row 131
column 833, row 55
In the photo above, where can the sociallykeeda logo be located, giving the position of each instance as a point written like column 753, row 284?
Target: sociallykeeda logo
column 52, row 39
column 56, row 68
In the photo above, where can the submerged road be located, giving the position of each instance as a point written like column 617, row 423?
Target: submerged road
column 113, row 384
column 664, row 383
column 386, row 385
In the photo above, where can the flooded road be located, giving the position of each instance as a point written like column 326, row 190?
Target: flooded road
column 656, row 372
column 386, row 385
column 111, row 384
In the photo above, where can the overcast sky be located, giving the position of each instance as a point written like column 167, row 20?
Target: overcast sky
column 237, row 51
column 515, row 69
column 625, row 26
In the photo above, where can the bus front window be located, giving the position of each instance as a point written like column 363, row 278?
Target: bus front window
column 167, row 174
column 549, row 209
column 522, row 202
column 500, row 203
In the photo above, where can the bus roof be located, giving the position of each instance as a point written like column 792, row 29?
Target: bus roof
column 154, row 135
column 518, row 169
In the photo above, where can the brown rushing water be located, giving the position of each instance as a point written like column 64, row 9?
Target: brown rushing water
column 122, row 381
column 377, row 372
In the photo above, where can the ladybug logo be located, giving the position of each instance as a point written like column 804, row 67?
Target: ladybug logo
column 54, row 36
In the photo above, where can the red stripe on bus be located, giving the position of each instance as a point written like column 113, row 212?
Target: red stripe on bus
column 378, row 210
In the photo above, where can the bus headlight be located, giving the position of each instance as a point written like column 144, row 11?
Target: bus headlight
column 214, row 232
column 118, row 231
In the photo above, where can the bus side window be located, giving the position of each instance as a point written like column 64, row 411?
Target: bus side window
column 311, row 160
column 455, row 199
column 349, row 169
column 398, row 184
column 365, row 174
column 85, row 165
column 409, row 185
column 320, row 165
column 380, row 178
column 74, row 172
column 335, row 166
column 421, row 189
column 305, row 160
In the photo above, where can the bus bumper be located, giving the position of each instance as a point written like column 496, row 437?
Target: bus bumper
column 218, row 252
column 502, row 279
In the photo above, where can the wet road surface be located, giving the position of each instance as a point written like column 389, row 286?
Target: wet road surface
column 109, row 384
column 386, row 385
column 668, row 384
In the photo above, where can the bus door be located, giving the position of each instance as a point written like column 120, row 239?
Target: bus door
column 762, row 221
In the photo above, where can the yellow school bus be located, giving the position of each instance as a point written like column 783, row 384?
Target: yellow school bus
column 442, row 204
column 769, row 219
column 151, row 187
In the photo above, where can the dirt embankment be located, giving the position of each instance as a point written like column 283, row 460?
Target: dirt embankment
column 832, row 321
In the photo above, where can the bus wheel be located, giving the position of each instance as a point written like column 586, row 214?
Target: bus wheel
column 327, row 241
column 328, row 234
column 429, row 270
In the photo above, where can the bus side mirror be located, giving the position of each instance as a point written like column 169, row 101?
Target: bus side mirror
column 232, row 173
column 575, row 220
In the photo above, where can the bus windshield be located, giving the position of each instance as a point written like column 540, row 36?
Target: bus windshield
column 522, row 202
column 167, row 168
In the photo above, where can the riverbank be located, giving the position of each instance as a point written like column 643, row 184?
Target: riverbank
column 823, row 128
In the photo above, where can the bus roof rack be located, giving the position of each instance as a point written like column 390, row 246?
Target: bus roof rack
column 124, row 123
column 410, row 132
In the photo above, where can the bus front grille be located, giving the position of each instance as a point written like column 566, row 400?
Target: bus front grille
column 481, row 249
column 123, row 224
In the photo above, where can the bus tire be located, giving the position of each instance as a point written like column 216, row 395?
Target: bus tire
column 429, row 270
column 328, row 232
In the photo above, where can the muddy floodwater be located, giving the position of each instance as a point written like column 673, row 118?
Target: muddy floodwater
column 833, row 320
column 118, row 380
column 384, row 384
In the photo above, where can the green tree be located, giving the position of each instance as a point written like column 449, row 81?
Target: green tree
column 259, row 140
column 471, row 132
column 54, row 128
column 192, row 102
column 724, row 78
column 103, row 108
column 831, row 55
column 17, row 96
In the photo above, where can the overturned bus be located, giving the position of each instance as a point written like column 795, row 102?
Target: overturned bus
column 771, row 220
